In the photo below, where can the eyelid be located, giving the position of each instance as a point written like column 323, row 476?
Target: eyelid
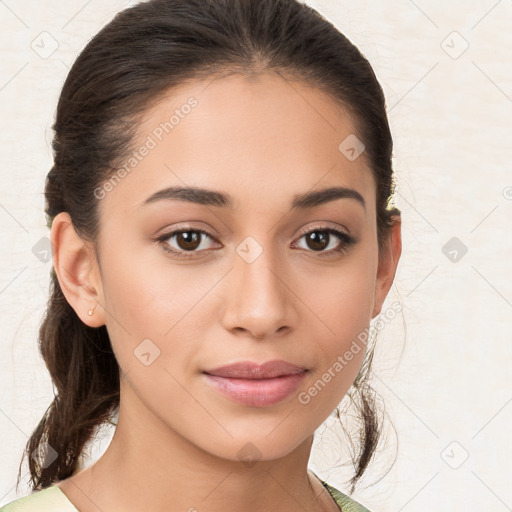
column 324, row 227
column 180, row 228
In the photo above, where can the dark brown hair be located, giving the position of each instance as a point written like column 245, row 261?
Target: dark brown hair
column 140, row 55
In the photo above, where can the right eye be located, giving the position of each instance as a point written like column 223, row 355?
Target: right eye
column 188, row 242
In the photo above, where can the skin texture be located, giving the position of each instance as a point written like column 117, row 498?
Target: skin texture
column 261, row 140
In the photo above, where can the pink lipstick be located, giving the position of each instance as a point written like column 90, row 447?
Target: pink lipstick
column 256, row 385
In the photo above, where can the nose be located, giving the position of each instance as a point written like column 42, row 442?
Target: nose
column 259, row 299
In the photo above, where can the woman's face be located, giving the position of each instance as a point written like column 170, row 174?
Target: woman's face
column 244, row 281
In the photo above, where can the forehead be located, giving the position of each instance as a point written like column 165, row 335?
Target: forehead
column 262, row 135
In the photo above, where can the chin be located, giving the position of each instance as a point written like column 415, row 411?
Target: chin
column 259, row 447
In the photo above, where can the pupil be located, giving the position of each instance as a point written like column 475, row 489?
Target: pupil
column 319, row 241
column 187, row 241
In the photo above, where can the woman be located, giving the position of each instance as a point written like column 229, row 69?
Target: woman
column 222, row 236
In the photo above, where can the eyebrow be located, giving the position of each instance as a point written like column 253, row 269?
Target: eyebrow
column 212, row 198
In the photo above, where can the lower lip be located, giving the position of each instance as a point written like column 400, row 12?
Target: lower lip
column 257, row 392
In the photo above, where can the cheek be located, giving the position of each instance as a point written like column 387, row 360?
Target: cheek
column 342, row 300
column 342, row 304
column 348, row 318
column 144, row 292
column 148, row 299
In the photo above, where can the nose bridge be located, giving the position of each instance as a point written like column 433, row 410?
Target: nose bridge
column 259, row 302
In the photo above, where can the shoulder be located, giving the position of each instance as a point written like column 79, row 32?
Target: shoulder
column 345, row 503
column 50, row 499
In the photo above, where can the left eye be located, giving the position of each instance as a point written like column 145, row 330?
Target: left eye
column 318, row 238
column 318, row 241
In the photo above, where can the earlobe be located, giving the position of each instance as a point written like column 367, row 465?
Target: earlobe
column 75, row 266
column 388, row 262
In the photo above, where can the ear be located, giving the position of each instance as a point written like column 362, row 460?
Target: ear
column 388, row 261
column 76, row 268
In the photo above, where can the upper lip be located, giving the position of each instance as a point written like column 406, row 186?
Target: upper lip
column 251, row 370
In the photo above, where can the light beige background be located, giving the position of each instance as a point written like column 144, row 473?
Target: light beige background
column 444, row 369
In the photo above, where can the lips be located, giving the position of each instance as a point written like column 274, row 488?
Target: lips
column 256, row 385
column 251, row 370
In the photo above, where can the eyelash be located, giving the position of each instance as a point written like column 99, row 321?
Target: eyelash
column 346, row 241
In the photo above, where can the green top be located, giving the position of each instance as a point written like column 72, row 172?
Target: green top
column 345, row 503
column 52, row 499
